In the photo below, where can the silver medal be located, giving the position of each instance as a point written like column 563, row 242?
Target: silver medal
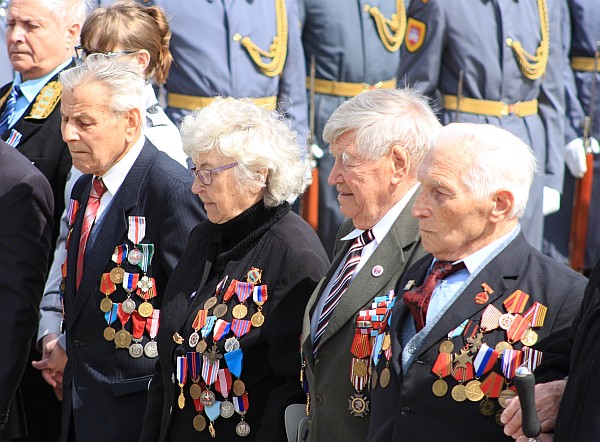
column 194, row 339
column 151, row 349
column 136, row 350
column 227, row 409
column 242, row 429
column 128, row 306
column 232, row 344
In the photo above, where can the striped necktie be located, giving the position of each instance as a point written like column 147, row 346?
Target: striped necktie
column 98, row 189
column 341, row 283
column 9, row 110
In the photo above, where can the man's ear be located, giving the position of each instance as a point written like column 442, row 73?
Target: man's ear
column 401, row 162
column 503, row 203
column 134, row 120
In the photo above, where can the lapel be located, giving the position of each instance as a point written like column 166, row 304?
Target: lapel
column 114, row 225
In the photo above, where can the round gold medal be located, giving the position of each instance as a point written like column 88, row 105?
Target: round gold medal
column 109, row 333
column 503, row 345
column 387, row 342
column 201, row 347
column 240, row 311
column 239, row 388
column 181, row 401
column 487, row 407
column 195, row 391
column 257, row 319
column 529, row 338
column 446, row 347
column 459, row 393
column 117, row 275
column 374, row 379
column 504, row 396
column 359, row 368
column 439, row 388
column 210, row 302
column 123, row 339
column 384, row 377
column 199, row 423
column 473, row 390
column 220, row 310
column 498, row 416
column 145, row 309
column 106, row 305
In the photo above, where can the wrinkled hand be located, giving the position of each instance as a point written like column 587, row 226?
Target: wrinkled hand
column 575, row 156
column 547, row 400
column 52, row 364
column 551, row 201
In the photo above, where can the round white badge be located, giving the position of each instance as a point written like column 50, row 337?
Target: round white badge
column 377, row 271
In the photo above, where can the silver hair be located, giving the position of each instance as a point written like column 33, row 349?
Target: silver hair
column 124, row 81
column 256, row 138
column 68, row 11
column 382, row 118
column 494, row 159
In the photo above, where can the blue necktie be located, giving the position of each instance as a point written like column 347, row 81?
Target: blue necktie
column 9, row 110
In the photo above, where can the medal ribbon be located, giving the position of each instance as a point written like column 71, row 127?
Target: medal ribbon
column 443, row 365
column 492, row 385
column 137, row 229
column 120, row 254
column 139, row 324
column 240, row 327
column 471, row 329
column 210, row 322
column 72, row 211
column 197, row 404
column 221, row 329
column 358, row 381
column 213, row 411
column 200, row 319
column 515, row 303
column 259, row 294
column 536, row 314
column 111, row 315
column 230, row 290
column 181, row 370
column 106, row 285
column 485, row 360
column 220, row 285
column 148, row 283
column 147, row 254
column 517, row 329
column 489, row 318
column 130, row 281
column 193, row 358
column 123, row 317
column 152, row 323
column 458, row 330
column 210, row 369
column 223, row 384
column 240, row 404
column 532, row 358
column 361, row 345
column 376, row 352
column 243, row 290
column 234, row 361
column 463, row 374
column 511, row 359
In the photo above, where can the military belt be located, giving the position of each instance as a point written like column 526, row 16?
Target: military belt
column 584, row 64
column 491, row 108
column 191, row 102
column 343, row 89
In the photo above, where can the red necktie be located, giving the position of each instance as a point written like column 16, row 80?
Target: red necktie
column 417, row 299
column 98, row 189
column 341, row 283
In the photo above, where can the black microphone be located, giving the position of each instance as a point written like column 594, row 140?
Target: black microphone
column 525, row 383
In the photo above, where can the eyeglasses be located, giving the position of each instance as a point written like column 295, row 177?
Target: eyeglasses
column 82, row 53
column 206, row 175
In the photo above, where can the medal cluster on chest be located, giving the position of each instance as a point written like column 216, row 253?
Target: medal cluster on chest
column 213, row 371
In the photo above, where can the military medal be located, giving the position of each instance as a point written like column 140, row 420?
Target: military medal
column 199, row 322
column 517, row 329
column 134, row 257
column 210, row 302
column 207, row 398
column 199, row 423
column 243, row 290
column 129, row 283
column 220, row 310
column 504, row 396
column 239, row 388
column 536, row 315
column 384, row 377
column 490, row 318
column 119, row 255
column 152, row 323
column 532, row 358
column 485, row 360
column 473, row 391
column 514, row 304
column 181, row 379
column 254, row 276
column 231, row 344
column 459, row 393
column 502, row 346
column 241, row 405
column 505, row 321
column 483, row 297
column 107, row 287
column 487, row 407
column 529, row 338
column 122, row 337
column 260, row 296
column 441, row 368
column 446, row 347
column 110, row 316
column 193, row 362
column 204, row 332
column 136, row 350
column 491, row 386
column 461, row 374
column 358, row 405
column 213, row 412
column 223, row 386
column 240, row 311
column 227, row 409
column 136, row 233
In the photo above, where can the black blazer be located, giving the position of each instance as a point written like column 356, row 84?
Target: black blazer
column 26, row 206
column 292, row 261
column 407, row 410
column 104, row 387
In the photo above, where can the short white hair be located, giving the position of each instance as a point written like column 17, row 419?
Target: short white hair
column 494, row 159
column 382, row 118
column 123, row 81
column 68, row 11
column 256, row 138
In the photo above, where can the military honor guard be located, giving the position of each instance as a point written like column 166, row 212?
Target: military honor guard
column 499, row 63
column 469, row 313
column 378, row 140
column 129, row 216
column 355, row 47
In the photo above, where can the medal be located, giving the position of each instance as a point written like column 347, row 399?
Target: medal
column 207, row 398
column 504, row 396
column 193, row 362
column 241, row 405
column 487, row 407
column 147, row 251
column 536, row 314
column 137, row 229
column 199, row 423
column 210, row 302
column 505, row 321
column 257, row 319
column 122, row 337
column 502, row 346
column 220, row 310
column 254, row 276
column 490, row 318
column 145, row 284
column 128, row 306
column 195, row 391
column 473, row 391
column 201, row 346
column 529, row 338
column 485, row 360
column 442, row 368
column 231, row 344
column 109, row 333
column 151, row 349
column 260, row 296
column 359, row 368
column 239, row 388
column 484, row 296
column 116, row 275
column 106, row 304
column 152, row 323
column 119, row 255
column 517, row 329
column 240, row 311
column 145, row 309
column 107, row 287
column 374, row 379
column 459, row 393
column 181, row 379
column 446, row 347
column 358, row 405
column 498, row 417
column 134, row 257
column 136, row 350
column 130, row 281
column 242, row 429
column 194, row 339
column 439, row 387
column 384, row 377
column 223, row 383
column 515, row 303
column 227, row 409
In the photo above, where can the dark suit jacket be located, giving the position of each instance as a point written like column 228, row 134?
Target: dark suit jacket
column 25, row 229
column 329, row 376
column 43, row 145
column 407, row 410
column 105, row 388
column 292, row 260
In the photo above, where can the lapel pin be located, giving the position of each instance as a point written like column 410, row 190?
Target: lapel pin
column 409, row 285
column 377, row 271
column 483, row 297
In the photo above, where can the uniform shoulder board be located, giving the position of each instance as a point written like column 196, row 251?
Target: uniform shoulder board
column 46, row 101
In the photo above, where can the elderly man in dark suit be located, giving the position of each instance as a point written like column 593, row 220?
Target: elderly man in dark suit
column 470, row 312
column 26, row 205
column 130, row 217
column 378, row 140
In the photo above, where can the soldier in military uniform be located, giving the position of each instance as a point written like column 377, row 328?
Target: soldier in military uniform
column 581, row 19
column 240, row 49
column 355, row 46
column 510, row 57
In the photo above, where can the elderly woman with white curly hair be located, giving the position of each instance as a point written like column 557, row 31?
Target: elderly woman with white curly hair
column 232, row 311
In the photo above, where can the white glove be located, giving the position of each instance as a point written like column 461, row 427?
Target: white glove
column 575, row 156
column 551, row 200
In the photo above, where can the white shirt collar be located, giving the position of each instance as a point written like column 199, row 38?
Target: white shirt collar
column 114, row 177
